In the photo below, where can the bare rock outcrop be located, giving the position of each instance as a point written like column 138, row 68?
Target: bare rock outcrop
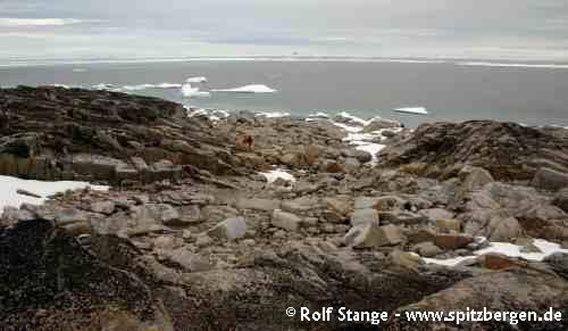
column 509, row 151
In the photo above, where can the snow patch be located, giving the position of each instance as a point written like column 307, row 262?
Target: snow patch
column 372, row 148
column 10, row 185
column 272, row 175
column 546, row 247
column 363, row 141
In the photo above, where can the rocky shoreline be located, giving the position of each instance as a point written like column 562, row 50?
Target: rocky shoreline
column 202, row 231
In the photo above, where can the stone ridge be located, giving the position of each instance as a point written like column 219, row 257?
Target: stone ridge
column 57, row 133
column 509, row 151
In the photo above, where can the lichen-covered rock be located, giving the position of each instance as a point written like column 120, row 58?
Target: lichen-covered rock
column 48, row 282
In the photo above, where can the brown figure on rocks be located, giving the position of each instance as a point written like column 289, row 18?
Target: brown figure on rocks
column 248, row 141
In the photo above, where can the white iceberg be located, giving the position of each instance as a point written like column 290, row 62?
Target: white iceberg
column 189, row 91
column 253, row 88
column 274, row 114
column 194, row 80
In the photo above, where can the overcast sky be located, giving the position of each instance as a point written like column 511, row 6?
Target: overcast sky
column 100, row 29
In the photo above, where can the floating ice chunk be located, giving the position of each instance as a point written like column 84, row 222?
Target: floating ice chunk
column 189, row 91
column 253, row 88
column 196, row 80
column 274, row 114
column 104, row 86
column 412, row 110
column 10, row 185
column 319, row 114
column 272, row 175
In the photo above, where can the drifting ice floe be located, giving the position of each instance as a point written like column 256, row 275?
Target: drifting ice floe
column 272, row 175
column 546, row 247
column 316, row 116
column 104, row 86
column 412, row 110
column 253, row 88
column 189, row 91
column 10, row 185
column 274, row 114
column 193, row 80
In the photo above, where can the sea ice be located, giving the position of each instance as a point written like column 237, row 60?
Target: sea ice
column 199, row 79
column 412, row 110
column 189, row 91
column 274, row 114
column 253, row 88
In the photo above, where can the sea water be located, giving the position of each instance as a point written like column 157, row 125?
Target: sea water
column 528, row 93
